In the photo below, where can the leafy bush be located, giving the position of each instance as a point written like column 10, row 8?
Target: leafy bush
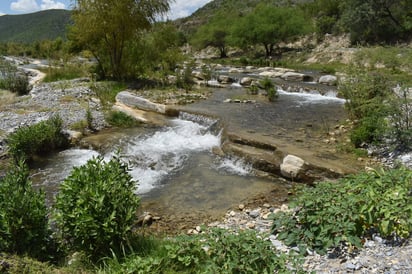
column 121, row 119
column 367, row 94
column 23, row 215
column 216, row 251
column 95, row 207
column 36, row 139
column 107, row 91
column 12, row 79
column 369, row 130
column 268, row 85
column 334, row 213
column 185, row 78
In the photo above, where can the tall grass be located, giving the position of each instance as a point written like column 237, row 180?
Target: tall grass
column 66, row 72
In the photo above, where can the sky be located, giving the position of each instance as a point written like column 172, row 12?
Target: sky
column 179, row 8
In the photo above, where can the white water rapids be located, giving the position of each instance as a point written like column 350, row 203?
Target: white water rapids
column 152, row 157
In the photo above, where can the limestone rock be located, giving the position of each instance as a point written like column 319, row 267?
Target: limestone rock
column 135, row 101
column 292, row 167
column 246, row 81
column 329, row 80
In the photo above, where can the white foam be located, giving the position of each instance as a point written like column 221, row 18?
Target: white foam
column 154, row 157
column 313, row 97
column 235, row 166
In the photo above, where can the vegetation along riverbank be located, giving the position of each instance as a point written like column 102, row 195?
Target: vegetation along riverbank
column 250, row 137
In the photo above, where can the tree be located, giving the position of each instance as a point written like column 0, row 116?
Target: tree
column 215, row 34
column 373, row 21
column 269, row 25
column 327, row 14
column 158, row 50
column 105, row 27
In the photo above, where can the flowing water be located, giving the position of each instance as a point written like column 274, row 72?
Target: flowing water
column 174, row 165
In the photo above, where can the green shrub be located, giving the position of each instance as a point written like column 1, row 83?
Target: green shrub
column 107, row 91
column 12, row 79
column 185, row 78
column 216, row 251
column 369, row 130
column 269, row 86
column 95, row 208
column 23, row 215
column 331, row 214
column 36, row 139
column 121, row 119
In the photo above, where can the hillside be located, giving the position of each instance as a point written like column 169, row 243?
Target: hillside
column 202, row 15
column 37, row 26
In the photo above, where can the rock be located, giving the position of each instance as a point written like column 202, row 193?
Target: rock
column 198, row 75
column 329, row 80
column 224, row 79
column 218, row 151
column 251, row 225
column 292, row 166
column 241, row 207
column 271, row 74
column 246, row 81
column 254, row 213
column 135, row 101
column 292, row 76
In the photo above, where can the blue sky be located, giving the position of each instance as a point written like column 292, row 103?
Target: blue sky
column 179, row 8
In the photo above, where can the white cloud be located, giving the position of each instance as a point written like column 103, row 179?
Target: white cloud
column 51, row 4
column 183, row 8
column 2, row 13
column 24, row 6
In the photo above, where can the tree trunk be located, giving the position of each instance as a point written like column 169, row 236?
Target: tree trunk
column 222, row 52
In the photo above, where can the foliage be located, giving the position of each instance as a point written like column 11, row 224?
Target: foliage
column 156, row 52
column 185, row 78
column 377, row 21
column 268, row 85
column 107, row 91
column 331, row 214
column 12, row 79
column 216, row 33
column 367, row 94
column 66, row 72
column 36, row 139
column 269, row 25
column 95, row 208
column 401, row 119
column 121, row 119
column 23, row 215
column 217, row 251
column 111, row 26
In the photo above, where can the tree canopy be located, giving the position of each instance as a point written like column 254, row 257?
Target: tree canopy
column 105, row 27
column 269, row 25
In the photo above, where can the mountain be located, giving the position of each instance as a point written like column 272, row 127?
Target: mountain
column 27, row 28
